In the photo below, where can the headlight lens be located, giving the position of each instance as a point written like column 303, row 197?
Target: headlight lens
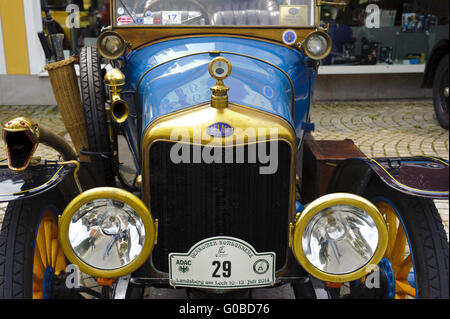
column 107, row 232
column 111, row 45
column 339, row 237
column 317, row 45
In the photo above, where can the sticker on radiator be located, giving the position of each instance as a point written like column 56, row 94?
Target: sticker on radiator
column 224, row 263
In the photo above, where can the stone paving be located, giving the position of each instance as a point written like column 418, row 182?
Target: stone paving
column 388, row 128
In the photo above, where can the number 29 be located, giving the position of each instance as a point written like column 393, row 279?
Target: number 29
column 225, row 266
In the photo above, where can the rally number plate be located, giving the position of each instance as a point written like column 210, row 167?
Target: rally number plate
column 222, row 263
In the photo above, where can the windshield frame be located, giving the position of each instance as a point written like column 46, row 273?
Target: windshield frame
column 314, row 15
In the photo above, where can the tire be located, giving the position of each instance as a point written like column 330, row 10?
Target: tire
column 18, row 238
column 440, row 83
column 425, row 237
column 93, row 96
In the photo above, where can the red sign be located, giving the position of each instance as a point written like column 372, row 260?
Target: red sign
column 124, row 19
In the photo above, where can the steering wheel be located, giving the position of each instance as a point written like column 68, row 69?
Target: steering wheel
column 200, row 7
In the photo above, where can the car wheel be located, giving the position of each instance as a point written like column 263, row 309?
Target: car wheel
column 441, row 92
column 30, row 255
column 416, row 260
column 93, row 95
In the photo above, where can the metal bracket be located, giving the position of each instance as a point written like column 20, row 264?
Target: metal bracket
column 319, row 288
column 309, row 127
column 120, row 289
column 104, row 155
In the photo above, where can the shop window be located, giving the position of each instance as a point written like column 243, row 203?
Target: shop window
column 386, row 31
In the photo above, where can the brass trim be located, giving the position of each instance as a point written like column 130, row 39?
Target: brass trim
column 115, row 79
column 331, row 200
column 139, row 181
column 219, row 59
column 75, row 173
column 119, row 109
column 219, row 101
column 114, row 193
column 339, row 4
column 236, row 115
column 219, row 97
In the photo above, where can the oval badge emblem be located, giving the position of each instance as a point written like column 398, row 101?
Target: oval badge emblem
column 220, row 129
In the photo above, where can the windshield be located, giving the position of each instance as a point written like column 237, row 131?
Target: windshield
column 294, row 13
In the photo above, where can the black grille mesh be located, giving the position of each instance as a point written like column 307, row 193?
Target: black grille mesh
column 194, row 201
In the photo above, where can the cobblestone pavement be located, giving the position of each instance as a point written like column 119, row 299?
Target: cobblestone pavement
column 389, row 128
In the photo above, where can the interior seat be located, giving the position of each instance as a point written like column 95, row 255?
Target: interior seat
column 245, row 17
column 215, row 6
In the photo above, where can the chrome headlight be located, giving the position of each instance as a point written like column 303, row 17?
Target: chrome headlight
column 111, row 45
column 339, row 237
column 317, row 45
column 107, row 232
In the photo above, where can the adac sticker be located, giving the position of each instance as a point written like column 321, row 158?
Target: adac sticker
column 126, row 19
column 289, row 37
column 219, row 129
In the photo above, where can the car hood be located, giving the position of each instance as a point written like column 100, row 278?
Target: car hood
column 172, row 75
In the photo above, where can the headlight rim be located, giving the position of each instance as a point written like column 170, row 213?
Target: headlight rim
column 332, row 200
column 102, row 50
column 107, row 193
column 327, row 51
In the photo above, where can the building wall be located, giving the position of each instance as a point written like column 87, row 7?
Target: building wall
column 2, row 51
column 20, row 50
column 33, row 25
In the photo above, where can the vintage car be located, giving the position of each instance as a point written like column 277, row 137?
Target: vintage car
column 230, row 191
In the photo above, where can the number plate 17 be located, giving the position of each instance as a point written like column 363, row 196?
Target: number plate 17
column 171, row 17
